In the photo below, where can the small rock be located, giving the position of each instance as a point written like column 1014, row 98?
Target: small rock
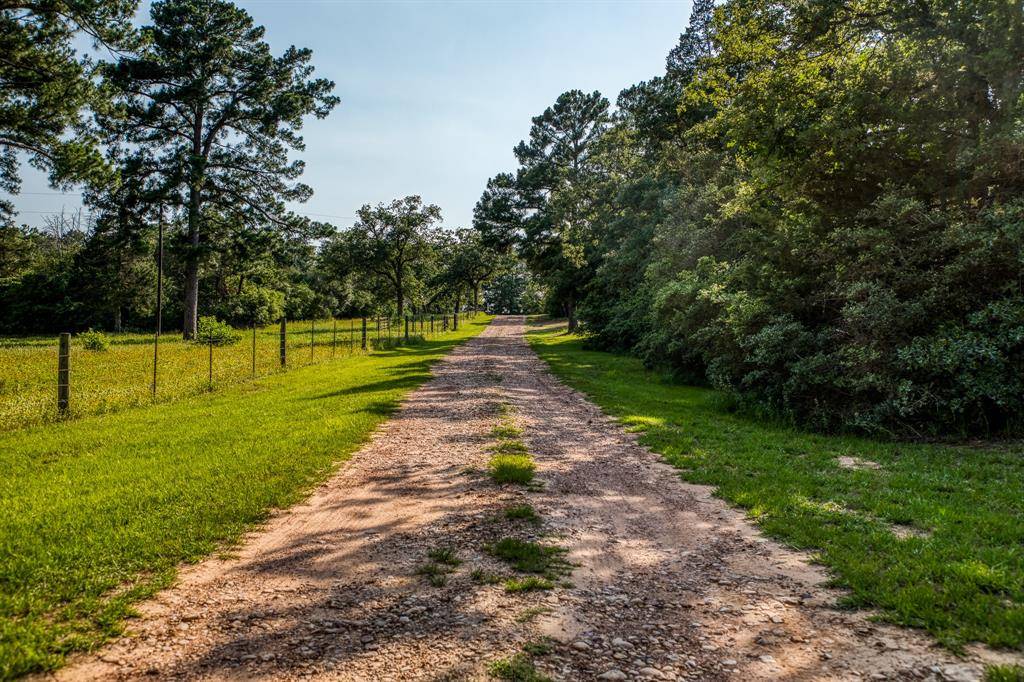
column 580, row 645
column 612, row 674
column 729, row 662
column 620, row 643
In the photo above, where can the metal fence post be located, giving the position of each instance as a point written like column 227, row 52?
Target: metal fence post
column 431, row 325
column 64, row 373
column 284, row 342
column 364, row 333
column 407, row 329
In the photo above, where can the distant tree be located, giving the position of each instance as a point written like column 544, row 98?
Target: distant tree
column 473, row 262
column 556, row 183
column 219, row 113
column 45, row 86
column 388, row 241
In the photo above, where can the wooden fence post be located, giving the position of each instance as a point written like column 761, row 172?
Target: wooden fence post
column 334, row 340
column 431, row 325
column 64, row 373
column 253, row 350
column 407, row 329
column 284, row 342
column 312, row 333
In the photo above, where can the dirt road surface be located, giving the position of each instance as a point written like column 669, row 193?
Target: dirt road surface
column 669, row 583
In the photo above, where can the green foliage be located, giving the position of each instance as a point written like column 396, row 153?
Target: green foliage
column 254, row 305
column 929, row 539
column 791, row 213
column 187, row 100
column 212, row 331
column 94, row 341
column 45, row 88
column 204, row 469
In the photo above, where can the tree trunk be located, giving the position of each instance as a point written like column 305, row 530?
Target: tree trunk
column 400, row 296
column 570, row 311
column 476, row 295
column 195, row 188
column 191, row 320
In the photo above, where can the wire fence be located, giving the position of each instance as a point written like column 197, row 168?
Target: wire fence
column 45, row 379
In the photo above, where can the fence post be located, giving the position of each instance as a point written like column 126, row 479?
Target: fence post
column 334, row 340
column 431, row 325
column 407, row 329
column 312, row 332
column 351, row 336
column 284, row 342
column 64, row 373
column 253, row 350
column 211, row 361
column 364, row 333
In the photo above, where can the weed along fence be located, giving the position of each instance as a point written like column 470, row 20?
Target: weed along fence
column 43, row 379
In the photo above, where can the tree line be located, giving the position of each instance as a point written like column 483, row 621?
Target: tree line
column 191, row 125
column 816, row 207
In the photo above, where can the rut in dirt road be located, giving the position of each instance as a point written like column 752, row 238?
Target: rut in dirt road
column 668, row 583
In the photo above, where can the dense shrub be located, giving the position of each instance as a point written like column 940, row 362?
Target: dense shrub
column 94, row 341
column 816, row 208
column 253, row 305
column 211, row 330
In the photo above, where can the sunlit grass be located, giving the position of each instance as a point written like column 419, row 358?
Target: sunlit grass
column 958, row 572
column 98, row 512
column 122, row 376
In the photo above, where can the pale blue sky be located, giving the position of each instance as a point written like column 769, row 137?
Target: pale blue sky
column 434, row 95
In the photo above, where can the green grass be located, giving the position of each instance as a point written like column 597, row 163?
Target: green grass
column 530, row 557
column 1004, row 673
column 482, row 577
column 522, row 512
column 957, row 571
column 504, row 430
column 528, row 584
column 511, row 469
column 517, row 668
column 98, row 512
column 122, row 376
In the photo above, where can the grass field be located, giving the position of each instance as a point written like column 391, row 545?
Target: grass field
column 97, row 513
column 122, row 376
column 931, row 536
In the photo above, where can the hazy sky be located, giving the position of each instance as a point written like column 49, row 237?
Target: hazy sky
column 434, row 95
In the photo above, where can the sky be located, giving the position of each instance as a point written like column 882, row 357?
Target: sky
column 434, row 95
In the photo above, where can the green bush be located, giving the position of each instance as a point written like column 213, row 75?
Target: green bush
column 94, row 340
column 254, row 305
column 212, row 330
